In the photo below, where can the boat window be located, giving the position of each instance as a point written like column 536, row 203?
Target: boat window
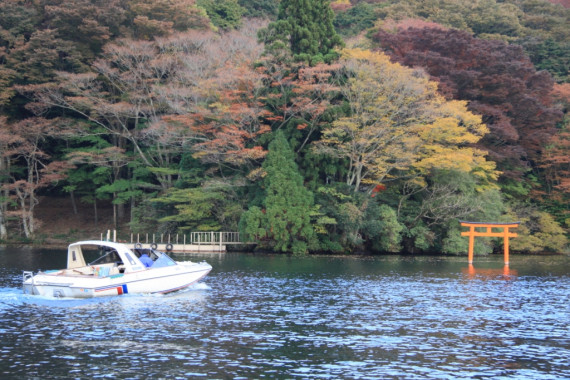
column 163, row 260
column 130, row 258
column 110, row 257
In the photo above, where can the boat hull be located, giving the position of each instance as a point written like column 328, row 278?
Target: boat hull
column 160, row 280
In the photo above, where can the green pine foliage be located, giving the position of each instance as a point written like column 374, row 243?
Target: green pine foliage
column 306, row 28
column 356, row 19
column 260, row 8
column 224, row 14
column 286, row 217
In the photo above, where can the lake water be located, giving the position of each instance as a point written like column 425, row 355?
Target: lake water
column 274, row 316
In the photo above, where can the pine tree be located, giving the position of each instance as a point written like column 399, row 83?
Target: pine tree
column 306, row 28
column 286, row 218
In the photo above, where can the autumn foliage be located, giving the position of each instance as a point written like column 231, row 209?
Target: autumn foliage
column 499, row 82
column 184, row 115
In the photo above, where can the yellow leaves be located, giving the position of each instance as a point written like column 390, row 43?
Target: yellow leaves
column 399, row 122
column 256, row 174
column 367, row 56
column 448, row 130
column 454, row 158
column 471, row 122
column 218, row 107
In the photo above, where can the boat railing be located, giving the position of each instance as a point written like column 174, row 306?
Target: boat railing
column 27, row 275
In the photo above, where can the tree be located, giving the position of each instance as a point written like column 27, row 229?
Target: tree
column 158, row 18
column 538, row 232
column 499, row 82
column 218, row 102
column 227, row 129
column 306, row 28
column 122, row 96
column 539, row 26
column 430, row 211
column 39, row 58
column 103, row 164
column 24, row 145
column 209, row 207
column 225, row 14
column 88, row 24
column 7, row 139
column 266, row 9
column 549, row 54
column 398, row 122
column 286, row 217
column 555, row 163
column 353, row 20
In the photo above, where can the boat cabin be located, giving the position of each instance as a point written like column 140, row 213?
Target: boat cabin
column 108, row 258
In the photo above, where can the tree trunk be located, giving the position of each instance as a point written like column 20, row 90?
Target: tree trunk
column 3, row 230
column 4, row 168
column 74, row 205
column 132, row 216
column 115, row 222
column 95, row 212
column 358, row 179
column 25, row 225
column 120, row 212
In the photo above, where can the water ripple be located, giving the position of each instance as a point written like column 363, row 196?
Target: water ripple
column 273, row 317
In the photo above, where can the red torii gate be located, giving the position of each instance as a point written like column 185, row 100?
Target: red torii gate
column 505, row 233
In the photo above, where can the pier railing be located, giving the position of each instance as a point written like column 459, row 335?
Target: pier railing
column 193, row 241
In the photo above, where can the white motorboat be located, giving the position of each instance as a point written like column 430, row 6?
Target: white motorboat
column 113, row 269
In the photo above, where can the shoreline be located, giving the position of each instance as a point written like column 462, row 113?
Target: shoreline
column 64, row 245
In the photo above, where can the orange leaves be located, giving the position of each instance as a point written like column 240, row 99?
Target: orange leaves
column 263, row 128
column 230, row 127
column 227, row 143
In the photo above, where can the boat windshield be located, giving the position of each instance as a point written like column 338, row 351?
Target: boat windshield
column 163, row 260
column 108, row 256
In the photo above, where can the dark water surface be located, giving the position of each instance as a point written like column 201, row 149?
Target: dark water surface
column 259, row 316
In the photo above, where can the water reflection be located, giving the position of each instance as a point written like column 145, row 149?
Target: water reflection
column 283, row 317
column 505, row 273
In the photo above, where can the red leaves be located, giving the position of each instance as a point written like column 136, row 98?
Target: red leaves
column 499, row 81
column 378, row 188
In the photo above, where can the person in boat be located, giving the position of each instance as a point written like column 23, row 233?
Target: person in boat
column 146, row 260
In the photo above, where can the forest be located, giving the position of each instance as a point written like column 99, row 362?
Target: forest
column 309, row 126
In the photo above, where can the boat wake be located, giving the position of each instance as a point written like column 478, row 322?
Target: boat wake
column 10, row 297
column 199, row 286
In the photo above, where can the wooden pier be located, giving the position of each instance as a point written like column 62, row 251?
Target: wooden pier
column 211, row 241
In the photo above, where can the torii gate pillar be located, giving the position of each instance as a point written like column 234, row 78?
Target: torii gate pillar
column 505, row 233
